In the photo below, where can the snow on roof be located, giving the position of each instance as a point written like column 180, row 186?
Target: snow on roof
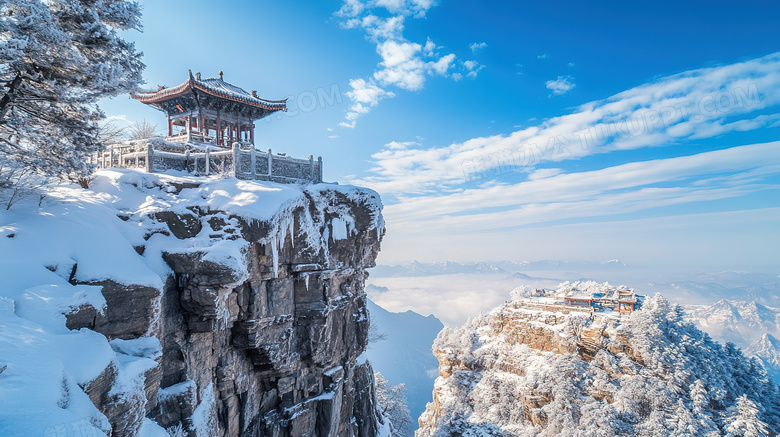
column 213, row 86
column 220, row 87
column 594, row 290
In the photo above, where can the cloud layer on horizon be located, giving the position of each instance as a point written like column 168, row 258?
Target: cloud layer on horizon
column 455, row 199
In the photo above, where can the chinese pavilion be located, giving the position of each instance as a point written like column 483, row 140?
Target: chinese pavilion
column 210, row 110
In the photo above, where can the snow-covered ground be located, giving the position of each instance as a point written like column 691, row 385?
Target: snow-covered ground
column 50, row 247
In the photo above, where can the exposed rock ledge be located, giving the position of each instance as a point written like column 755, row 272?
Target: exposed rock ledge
column 544, row 370
column 245, row 316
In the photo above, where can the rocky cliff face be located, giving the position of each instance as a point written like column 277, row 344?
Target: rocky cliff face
column 260, row 322
column 531, row 368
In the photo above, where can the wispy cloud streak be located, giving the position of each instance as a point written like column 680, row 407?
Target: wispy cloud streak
column 696, row 104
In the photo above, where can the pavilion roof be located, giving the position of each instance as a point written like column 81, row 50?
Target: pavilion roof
column 213, row 86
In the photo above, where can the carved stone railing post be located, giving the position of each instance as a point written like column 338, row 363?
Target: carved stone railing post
column 208, row 161
column 236, row 159
column 270, row 164
column 319, row 169
column 149, row 158
column 311, row 168
column 253, row 161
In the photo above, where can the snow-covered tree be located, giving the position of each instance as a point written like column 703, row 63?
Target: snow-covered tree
column 142, row 130
column 744, row 420
column 699, row 396
column 656, row 374
column 392, row 400
column 57, row 58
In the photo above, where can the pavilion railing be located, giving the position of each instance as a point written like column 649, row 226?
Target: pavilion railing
column 242, row 161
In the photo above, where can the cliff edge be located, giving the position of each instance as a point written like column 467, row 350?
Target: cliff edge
column 203, row 307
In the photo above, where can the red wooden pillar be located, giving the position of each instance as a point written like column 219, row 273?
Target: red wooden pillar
column 252, row 133
column 189, row 124
column 170, row 126
column 219, row 132
column 238, row 128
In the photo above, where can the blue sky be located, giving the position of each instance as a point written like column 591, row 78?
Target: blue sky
column 514, row 130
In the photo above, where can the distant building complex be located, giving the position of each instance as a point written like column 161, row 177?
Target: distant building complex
column 577, row 297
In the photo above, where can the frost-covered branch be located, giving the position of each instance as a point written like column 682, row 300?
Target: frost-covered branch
column 57, row 58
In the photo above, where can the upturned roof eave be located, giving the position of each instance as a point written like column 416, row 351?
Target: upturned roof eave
column 191, row 84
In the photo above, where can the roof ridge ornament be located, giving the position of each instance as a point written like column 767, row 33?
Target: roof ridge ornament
column 220, row 74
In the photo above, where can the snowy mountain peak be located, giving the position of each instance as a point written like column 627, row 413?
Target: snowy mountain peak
column 766, row 346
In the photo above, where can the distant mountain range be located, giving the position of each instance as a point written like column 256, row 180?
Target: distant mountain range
column 767, row 350
column 737, row 285
column 751, row 326
column 416, row 268
column 403, row 354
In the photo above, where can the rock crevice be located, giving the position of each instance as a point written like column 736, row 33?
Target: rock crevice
column 263, row 339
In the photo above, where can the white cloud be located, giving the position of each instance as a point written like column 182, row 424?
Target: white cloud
column 472, row 68
column 429, row 48
column 560, row 86
column 702, row 240
column 417, row 8
column 401, row 144
column 364, row 94
column 351, row 8
column 333, row 137
column 544, row 173
column 120, row 118
column 395, row 54
column 542, row 56
column 692, row 105
column 499, row 220
column 477, row 46
column 618, row 189
column 404, row 64
column 441, row 66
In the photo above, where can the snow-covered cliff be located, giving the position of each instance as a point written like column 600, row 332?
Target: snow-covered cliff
column 534, row 369
column 154, row 302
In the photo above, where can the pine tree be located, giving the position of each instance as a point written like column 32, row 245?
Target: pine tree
column 392, row 400
column 57, row 58
column 743, row 420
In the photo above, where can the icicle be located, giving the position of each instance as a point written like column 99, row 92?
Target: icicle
column 306, row 281
column 291, row 230
column 275, row 255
